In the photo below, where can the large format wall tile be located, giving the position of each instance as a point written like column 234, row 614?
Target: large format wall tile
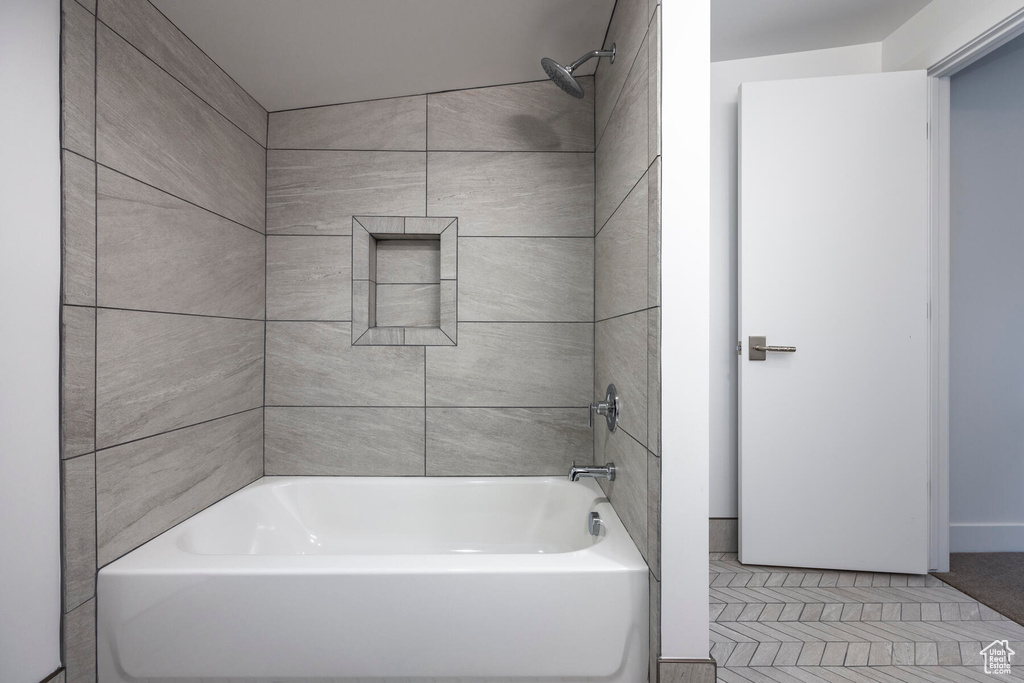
column 318, row 192
column 379, row 442
column 506, row 441
column 78, row 381
column 621, row 359
column 512, row 279
column 621, row 253
column 654, row 627
column 146, row 487
column 78, row 229
column 654, row 513
column 513, row 364
column 141, row 24
column 628, row 493
column 527, row 117
column 627, row 29
column 654, row 234
column 80, row 643
column 513, row 194
column 315, row 364
column 622, row 152
column 399, row 123
column 79, row 511
column 157, row 372
column 159, row 253
column 309, row 278
column 77, row 79
column 654, row 380
column 654, row 88
column 154, row 129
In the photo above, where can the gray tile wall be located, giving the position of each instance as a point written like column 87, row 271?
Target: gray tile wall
column 163, row 204
column 169, row 197
column 515, row 164
column 627, row 275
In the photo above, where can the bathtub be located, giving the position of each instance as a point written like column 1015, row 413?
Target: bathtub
column 382, row 579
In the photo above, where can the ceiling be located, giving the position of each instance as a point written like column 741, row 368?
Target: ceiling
column 303, row 53
column 754, row 28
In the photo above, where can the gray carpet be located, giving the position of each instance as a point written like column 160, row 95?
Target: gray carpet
column 994, row 579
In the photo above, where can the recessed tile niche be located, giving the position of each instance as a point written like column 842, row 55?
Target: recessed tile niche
column 404, row 280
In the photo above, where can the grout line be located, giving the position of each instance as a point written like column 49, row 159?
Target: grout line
column 429, row 406
column 526, row 237
column 95, row 330
column 465, row 322
column 171, row 194
column 429, row 237
column 371, row 150
column 425, row 410
column 529, row 322
column 623, row 315
column 178, row 429
column 266, row 292
column 176, row 80
column 560, row 475
column 595, row 230
column 77, row 154
column 405, row 284
column 421, row 94
column 188, row 315
column 625, row 197
column 426, row 161
column 76, row 457
column 526, row 322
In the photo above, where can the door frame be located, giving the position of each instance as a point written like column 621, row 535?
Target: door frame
column 938, row 272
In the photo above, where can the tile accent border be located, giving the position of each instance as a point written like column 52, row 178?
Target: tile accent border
column 366, row 232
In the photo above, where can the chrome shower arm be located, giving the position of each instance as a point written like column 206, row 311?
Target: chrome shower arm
column 591, row 55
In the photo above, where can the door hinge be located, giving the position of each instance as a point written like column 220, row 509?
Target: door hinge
column 739, row 348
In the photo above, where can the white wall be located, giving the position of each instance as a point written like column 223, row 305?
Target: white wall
column 986, row 374
column 726, row 78
column 29, row 304
column 686, row 46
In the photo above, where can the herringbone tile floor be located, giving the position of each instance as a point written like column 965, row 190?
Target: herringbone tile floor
column 776, row 624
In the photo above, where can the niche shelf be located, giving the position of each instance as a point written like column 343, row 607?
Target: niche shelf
column 404, row 280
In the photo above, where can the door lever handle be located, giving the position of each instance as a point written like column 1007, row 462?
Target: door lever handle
column 759, row 348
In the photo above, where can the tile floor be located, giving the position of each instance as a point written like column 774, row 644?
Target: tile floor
column 779, row 624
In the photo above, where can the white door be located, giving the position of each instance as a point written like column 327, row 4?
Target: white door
column 833, row 249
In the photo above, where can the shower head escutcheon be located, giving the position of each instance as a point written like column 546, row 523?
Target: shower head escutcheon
column 562, row 75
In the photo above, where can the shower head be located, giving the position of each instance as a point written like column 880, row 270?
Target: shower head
column 562, row 75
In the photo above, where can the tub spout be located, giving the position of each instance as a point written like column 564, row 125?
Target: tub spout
column 606, row 472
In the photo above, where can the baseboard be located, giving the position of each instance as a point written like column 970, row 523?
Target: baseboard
column 723, row 535
column 687, row 671
column 986, row 538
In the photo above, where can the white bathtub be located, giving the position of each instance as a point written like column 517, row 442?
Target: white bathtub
column 382, row 579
